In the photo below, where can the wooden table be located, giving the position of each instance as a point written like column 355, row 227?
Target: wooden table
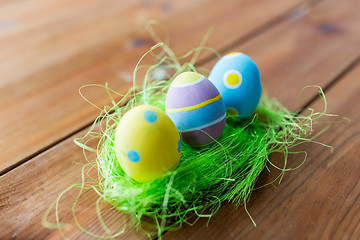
column 48, row 49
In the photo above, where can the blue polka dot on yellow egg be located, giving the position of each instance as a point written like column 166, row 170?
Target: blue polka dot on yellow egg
column 133, row 156
column 147, row 143
column 150, row 116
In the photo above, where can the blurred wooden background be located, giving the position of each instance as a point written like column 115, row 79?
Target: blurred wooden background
column 48, row 49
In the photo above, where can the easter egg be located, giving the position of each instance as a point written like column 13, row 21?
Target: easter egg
column 147, row 143
column 196, row 107
column 237, row 78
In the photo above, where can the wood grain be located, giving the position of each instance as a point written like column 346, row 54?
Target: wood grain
column 28, row 191
column 310, row 48
column 311, row 45
column 318, row 201
column 305, row 54
column 22, row 221
column 60, row 46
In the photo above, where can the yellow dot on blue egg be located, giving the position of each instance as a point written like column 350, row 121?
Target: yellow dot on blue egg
column 150, row 116
column 231, row 112
column 232, row 79
column 133, row 156
column 232, row 53
column 179, row 145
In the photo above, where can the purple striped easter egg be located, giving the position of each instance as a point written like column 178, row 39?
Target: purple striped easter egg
column 196, row 107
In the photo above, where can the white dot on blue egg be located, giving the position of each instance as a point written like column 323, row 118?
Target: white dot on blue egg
column 179, row 145
column 150, row 116
column 133, row 156
column 232, row 79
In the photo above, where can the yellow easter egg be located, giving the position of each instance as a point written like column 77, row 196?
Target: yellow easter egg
column 147, row 143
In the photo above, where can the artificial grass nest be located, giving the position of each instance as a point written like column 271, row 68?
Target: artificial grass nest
column 224, row 171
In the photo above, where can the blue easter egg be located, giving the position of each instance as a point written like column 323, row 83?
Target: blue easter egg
column 237, row 78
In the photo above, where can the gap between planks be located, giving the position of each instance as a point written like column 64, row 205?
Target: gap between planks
column 326, row 88
column 247, row 37
column 264, row 28
column 335, row 75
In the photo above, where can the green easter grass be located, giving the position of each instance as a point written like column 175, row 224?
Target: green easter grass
column 224, row 171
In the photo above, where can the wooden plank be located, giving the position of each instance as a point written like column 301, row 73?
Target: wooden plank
column 318, row 201
column 62, row 45
column 28, row 191
column 14, row 177
column 304, row 51
column 311, row 47
column 279, row 213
